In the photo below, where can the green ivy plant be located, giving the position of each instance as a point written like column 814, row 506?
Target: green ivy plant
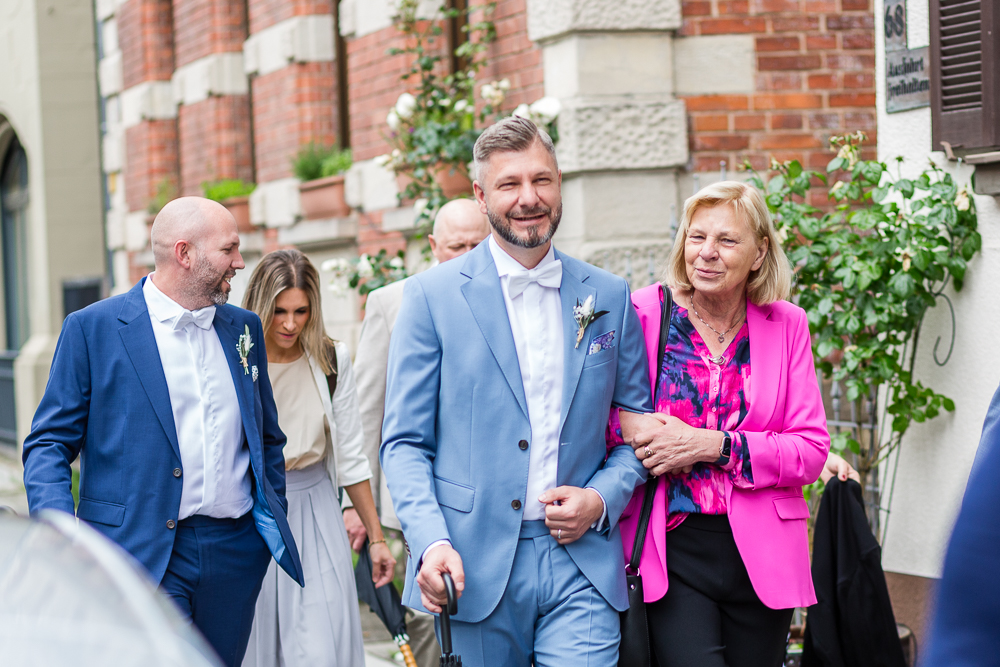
column 365, row 273
column 866, row 272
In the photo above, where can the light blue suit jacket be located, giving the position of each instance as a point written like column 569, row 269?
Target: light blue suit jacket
column 107, row 402
column 455, row 412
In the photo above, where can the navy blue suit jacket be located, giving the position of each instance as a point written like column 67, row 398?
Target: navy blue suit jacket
column 107, row 402
column 966, row 626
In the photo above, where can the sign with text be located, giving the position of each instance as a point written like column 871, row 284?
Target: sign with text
column 894, row 21
column 907, row 79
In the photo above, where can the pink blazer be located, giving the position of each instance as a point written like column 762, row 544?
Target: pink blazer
column 788, row 440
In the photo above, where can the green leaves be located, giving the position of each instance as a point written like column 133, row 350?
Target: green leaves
column 867, row 270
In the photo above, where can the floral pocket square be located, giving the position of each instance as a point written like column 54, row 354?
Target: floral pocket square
column 602, row 342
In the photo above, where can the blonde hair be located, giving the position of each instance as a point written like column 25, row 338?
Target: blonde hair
column 290, row 269
column 773, row 280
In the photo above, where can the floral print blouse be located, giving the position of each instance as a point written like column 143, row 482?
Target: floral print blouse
column 704, row 394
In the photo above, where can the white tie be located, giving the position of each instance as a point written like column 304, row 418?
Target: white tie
column 203, row 318
column 549, row 275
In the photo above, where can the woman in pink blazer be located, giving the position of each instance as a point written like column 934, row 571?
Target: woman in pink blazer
column 739, row 429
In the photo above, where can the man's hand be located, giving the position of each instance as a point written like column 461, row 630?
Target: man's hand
column 442, row 558
column 634, row 423
column 356, row 532
column 570, row 511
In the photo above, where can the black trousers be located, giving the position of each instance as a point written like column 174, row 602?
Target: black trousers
column 711, row 616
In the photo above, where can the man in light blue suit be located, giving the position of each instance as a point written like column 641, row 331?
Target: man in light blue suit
column 503, row 368
column 163, row 392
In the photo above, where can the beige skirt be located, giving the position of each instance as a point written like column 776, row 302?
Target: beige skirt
column 319, row 625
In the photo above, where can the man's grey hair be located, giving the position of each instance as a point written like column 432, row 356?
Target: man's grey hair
column 510, row 135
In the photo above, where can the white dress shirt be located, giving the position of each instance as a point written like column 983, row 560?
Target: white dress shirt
column 537, row 324
column 206, row 409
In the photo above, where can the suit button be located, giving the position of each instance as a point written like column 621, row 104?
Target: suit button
column 516, row 504
column 523, row 444
column 177, row 472
column 171, row 523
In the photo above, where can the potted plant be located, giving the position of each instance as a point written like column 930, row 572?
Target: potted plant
column 234, row 194
column 321, row 170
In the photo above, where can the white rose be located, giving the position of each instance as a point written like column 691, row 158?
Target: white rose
column 522, row 111
column 420, row 205
column 365, row 269
column 487, row 92
column 335, row 265
column 382, row 160
column 392, row 120
column 504, row 84
column 962, row 200
column 546, row 109
column 396, row 263
column 406, row 104
column 461, row 106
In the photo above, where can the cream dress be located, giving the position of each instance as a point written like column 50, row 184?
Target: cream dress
column 319, row 625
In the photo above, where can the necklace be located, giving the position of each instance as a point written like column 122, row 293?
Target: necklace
column 721, row 335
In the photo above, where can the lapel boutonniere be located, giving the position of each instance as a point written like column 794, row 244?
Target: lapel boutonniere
column 243, row 347
column 584, row 314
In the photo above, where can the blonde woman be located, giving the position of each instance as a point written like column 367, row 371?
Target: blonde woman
column 319, row 624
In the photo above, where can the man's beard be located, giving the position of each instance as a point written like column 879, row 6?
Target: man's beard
column 208, row 282
column 505, row 230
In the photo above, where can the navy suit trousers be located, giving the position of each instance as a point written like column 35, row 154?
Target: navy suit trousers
column 214, row 575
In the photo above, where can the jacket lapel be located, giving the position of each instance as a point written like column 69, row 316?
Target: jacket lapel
column 485, row 298
column 767, row 340
column 140, row 344
column 229, row 332
column 572, row 290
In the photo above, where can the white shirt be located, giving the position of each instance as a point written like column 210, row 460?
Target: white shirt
column 206, row 409
column 537, row 324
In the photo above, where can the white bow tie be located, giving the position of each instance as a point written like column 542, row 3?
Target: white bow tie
column 549, row 275
column 203, row 318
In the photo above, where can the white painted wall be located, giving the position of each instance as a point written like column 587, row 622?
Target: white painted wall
column 936, row 457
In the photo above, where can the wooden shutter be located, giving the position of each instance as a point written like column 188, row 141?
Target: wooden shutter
column 965, row 35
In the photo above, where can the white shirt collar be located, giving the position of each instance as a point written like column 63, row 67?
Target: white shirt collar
column 507, row 264
column 161, row 306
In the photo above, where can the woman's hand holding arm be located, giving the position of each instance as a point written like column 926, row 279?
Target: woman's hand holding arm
column 383, row 564
column 674, row 447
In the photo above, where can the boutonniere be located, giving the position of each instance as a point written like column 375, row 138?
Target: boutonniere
column 243, row 347
column 584, row 314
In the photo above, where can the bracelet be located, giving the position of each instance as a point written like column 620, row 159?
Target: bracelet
column 371, row 544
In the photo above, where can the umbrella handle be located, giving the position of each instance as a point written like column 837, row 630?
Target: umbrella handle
column 446, row 612
column 449, row 589
column 408, row 658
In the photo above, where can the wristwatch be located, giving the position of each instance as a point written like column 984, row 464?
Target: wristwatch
column 725, row 450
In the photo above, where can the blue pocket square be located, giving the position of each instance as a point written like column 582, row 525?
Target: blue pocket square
column 602, row 342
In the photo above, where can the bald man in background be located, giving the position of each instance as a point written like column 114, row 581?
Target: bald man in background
column 164, row 395
column 458, row 228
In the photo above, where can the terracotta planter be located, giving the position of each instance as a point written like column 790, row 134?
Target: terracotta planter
column 324, row 198
column 453, row 181
column 240, row 208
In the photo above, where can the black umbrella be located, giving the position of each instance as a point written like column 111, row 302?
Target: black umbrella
column 448, row 659
column 385, row 602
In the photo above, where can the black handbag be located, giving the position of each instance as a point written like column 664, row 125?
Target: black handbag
column 634, row 650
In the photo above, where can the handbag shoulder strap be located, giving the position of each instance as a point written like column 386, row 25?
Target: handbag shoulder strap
column 651, row 483
column 331, row 379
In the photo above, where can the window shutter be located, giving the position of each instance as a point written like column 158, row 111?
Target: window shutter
column 964, row 73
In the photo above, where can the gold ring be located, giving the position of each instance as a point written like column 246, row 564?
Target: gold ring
column 647, row 450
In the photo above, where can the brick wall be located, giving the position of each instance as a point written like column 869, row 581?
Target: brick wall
column 514, row 56
column 204, row 27
column 214, row 141
column 145, row 35
column 292, row 107
column 151, row 156
column 265, row 13
column 815, row 78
